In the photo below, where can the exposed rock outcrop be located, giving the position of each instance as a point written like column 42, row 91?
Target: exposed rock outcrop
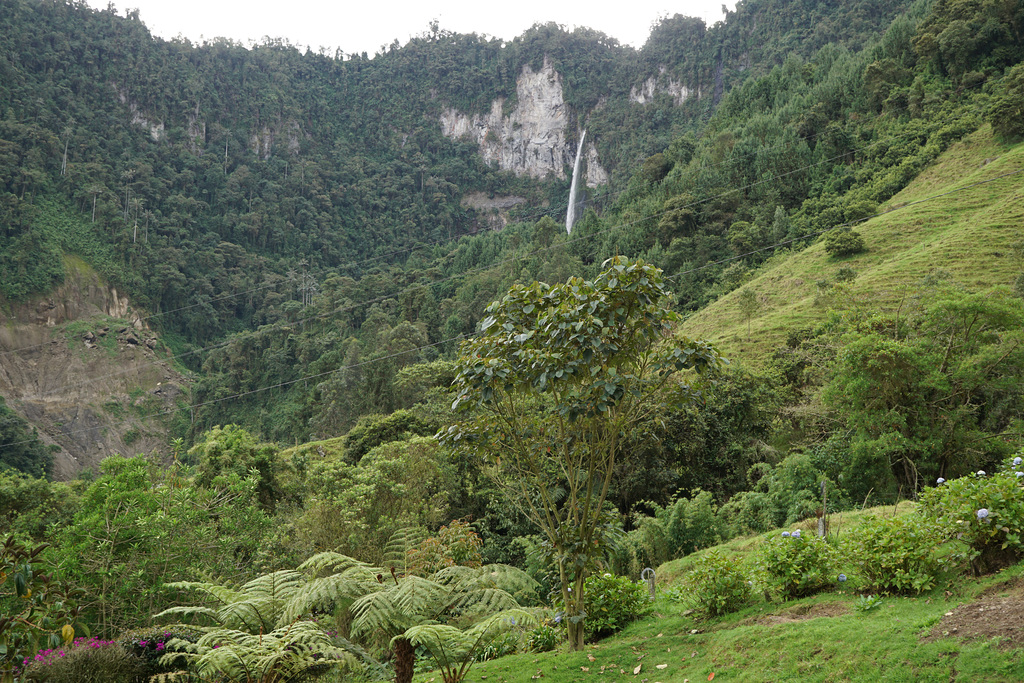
column 494, row 210
column 646, row 92
column 533, row 139
column 262, row 141
column 138, row 118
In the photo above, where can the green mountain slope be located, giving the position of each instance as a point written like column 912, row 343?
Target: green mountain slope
column 963, row 214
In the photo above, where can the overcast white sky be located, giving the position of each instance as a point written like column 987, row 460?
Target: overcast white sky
column 367, row 25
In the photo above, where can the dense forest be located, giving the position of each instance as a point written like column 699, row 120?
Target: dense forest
column 296, row 228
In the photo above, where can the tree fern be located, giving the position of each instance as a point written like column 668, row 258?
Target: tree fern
column 455, row 650
column 285, row 654
column 263, row 634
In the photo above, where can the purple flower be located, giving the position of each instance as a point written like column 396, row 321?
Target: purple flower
column 982, row 514
column 796, row 534
column 785, row 534
column 159, row 647
column 1017, row 461
column 1020, row 474
column 842, row 578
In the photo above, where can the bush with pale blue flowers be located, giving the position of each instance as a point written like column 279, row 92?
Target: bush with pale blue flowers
column 984, row 512
column 797, row 565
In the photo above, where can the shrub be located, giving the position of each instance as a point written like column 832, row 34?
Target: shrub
column 717, row 585
column 502, row 646
column 149, row 644
column 86, row 660
column 610, row 603
column 544, row 638
column 454, row 545
column 843, row 242
column 692, row 524
column 984, row 511
column 900, row 554
column 797, row 564
column 783, row 494
column 683, row 527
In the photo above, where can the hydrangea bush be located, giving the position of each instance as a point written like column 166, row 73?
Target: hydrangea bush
column 983, row 511
column 905, row 554
column 797, row 564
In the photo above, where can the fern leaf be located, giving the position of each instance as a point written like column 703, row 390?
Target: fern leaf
column 329, row 561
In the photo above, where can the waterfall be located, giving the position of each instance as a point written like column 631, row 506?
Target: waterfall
column 570, row 216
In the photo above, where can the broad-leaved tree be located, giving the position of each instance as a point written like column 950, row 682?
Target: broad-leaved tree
column 549, row 389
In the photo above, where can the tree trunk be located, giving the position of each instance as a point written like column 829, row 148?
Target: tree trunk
column 576, row 632
column 405, row 659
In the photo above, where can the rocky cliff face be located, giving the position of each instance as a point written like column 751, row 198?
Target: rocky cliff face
column 662, row 83
column 83, row 369
column 533, row 138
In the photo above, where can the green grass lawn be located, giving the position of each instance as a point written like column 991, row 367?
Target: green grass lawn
column 969, row 630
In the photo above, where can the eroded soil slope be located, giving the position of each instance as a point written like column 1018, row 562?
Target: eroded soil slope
column 86, row 372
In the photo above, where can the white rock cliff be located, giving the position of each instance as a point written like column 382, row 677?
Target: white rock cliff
column 532, row 139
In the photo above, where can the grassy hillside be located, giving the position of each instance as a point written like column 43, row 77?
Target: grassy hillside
column 958, row 215
column 968, row 631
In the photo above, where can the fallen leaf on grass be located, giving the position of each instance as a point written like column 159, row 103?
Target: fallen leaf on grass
column 661, row 666
column 659, row 635
column 591, row 657
column 584, row 668
column 637, row 669
column 711, row 676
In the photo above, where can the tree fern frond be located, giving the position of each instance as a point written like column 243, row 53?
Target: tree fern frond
column 446, row 644
column 396, row 552
column 328, row 593
column 222, row 594
column 454, row 650
column 415, row 595
column 377, row 612
column 280, row 584
column 511, row 579
column 330, row 561
column 257, row 614
column 288, row 653
column 482, row 601
column 503, row 621
column 191, row 610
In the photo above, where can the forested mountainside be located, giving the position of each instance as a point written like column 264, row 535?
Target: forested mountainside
column 831, row 192
column 224, row 188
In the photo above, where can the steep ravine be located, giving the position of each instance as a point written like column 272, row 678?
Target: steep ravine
column 85, row 371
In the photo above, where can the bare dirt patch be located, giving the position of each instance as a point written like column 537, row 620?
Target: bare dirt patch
column 997, row 613
column 799, row 613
